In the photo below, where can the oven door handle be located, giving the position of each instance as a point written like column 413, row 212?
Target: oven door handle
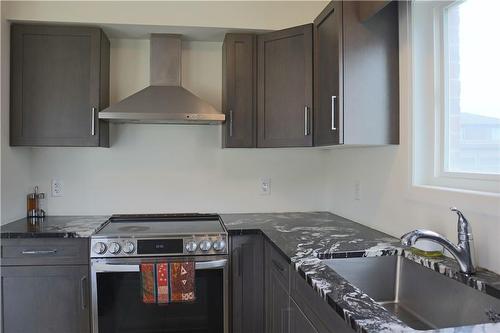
column 110, row 268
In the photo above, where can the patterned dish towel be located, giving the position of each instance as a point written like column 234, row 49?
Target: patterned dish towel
column 182, row 281
column 164, row 283
column 148, row 283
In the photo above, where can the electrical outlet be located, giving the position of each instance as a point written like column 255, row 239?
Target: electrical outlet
column 265, row 186
column 57, row 188
column 357, row 190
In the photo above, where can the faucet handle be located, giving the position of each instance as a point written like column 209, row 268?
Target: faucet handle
column 464, row 228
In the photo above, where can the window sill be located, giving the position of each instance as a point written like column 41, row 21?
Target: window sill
column 481, row 202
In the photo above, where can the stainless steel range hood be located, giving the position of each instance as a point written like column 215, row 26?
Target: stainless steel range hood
column 165, row 100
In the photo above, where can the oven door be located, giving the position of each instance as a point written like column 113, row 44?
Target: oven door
column 117, row 298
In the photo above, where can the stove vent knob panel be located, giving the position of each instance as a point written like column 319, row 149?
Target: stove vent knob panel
column 128, row 247
column 99, row 248
column 114, row 248
column 191, row 246
column 219, row 245
column 205, row 245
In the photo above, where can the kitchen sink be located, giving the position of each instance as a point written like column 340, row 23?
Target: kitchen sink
column 420, row 297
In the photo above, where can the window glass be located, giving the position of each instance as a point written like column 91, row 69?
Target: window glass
column 472, row 87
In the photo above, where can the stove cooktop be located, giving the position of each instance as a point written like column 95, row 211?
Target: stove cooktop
column 161, row 225
column 160, row 235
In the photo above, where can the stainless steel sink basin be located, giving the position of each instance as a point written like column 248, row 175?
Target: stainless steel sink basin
column 418, row 296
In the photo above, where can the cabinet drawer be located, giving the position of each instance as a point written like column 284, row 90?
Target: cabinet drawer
column 320, row 314
column 44, row 251
column 278, row 265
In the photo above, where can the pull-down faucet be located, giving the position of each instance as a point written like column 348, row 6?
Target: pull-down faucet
column 463, row 252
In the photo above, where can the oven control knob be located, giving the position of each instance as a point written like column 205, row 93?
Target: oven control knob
column 219, row 245
column 99, row 248
column 128, row 247
column 114, row 247
column 205, row 245
column 191, row 246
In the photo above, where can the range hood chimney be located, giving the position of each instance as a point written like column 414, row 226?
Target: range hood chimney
column 165, row 100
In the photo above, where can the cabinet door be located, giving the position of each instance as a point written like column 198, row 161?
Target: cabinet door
column 238, row 91
column 328, row 100
column 276, row 288
column 298, row 321
column 56, row 85
column 285, row 88
column 45, row 299
column 277, row 306
column 247, row 276
column 371, row 75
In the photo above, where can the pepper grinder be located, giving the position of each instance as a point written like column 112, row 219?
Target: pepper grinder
column 35, row 201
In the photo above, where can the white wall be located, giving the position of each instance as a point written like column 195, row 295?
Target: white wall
column 169, row 168
column 15, row 180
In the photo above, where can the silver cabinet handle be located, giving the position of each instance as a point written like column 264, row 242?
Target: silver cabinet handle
column 230, row 122
column 92, row 122
column 333, row 113
column 39, row 252
column 306, row 120
column 83, row 293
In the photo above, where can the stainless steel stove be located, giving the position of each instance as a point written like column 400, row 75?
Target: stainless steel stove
column 160, row 235
column 127, row 241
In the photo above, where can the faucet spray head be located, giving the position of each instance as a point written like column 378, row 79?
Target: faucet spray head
column 406, row 239
column 463, row 226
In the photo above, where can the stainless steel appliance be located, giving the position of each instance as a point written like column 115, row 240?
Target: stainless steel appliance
column 126, row 241
column 165, row 101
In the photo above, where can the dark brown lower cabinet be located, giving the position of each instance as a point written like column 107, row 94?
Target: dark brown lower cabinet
column 291, row 305
column 298, row 321
column 277, row 285
column 247, row 283
column 45, row 299
column 277, row 306
column 320, row 315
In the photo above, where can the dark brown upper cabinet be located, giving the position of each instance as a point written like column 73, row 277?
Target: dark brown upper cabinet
column 239, row 96
column 285, row 91
column 369, row 8
column 59, row 82
column 356, row 70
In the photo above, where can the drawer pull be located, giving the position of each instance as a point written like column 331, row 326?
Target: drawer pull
column 278, row 266
column 39, row 252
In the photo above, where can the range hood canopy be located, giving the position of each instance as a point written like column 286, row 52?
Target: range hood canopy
column 165, row 100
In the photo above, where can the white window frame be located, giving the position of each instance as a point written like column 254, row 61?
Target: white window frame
column 429, row 169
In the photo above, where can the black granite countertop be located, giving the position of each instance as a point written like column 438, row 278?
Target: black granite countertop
column 306, row 237
column 53, row 226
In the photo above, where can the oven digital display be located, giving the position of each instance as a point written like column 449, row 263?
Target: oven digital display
column 160, row 246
